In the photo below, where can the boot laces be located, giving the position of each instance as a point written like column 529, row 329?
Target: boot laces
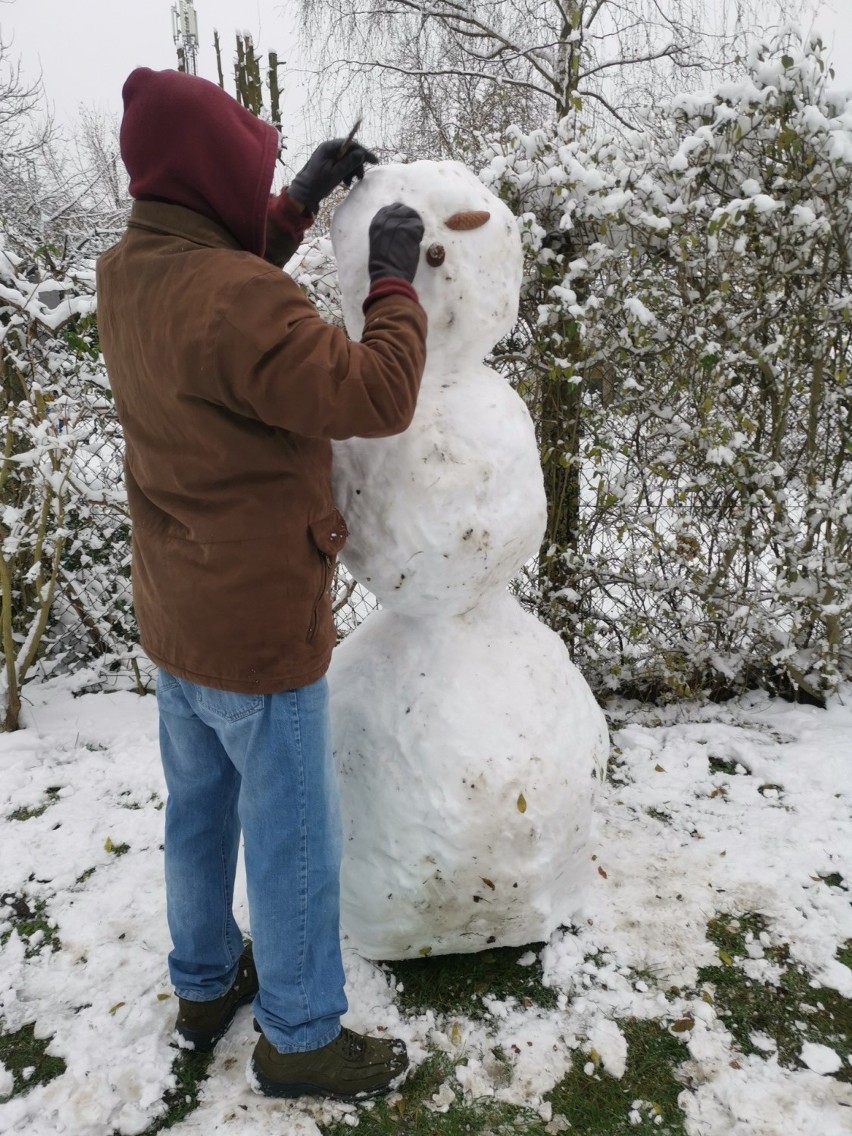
column 353, row 1045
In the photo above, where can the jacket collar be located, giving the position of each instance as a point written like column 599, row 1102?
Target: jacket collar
column 176, row 221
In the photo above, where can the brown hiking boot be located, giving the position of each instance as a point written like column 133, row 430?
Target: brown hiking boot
column 200, row 1025
column 350, row 1068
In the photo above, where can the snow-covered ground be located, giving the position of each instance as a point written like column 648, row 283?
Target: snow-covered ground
column 680, row 838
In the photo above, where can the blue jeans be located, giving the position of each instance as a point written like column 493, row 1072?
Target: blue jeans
column 261, row 763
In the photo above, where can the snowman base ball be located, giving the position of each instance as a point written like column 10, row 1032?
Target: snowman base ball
column 468, row 752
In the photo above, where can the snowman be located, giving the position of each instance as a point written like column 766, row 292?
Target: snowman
column 467, row 744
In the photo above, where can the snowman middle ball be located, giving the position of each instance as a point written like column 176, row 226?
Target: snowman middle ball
column 453, row 508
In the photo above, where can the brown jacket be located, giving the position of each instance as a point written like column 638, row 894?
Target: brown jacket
column 229, row 387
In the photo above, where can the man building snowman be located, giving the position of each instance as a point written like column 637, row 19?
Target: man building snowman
column 229, row 388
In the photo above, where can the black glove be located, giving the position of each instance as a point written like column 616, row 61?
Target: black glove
column 326, row 169
column 395, row 235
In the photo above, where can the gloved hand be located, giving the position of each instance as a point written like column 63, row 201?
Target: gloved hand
column 325, row 170
column 395, row 235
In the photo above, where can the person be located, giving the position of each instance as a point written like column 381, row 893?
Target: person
column 229, row 388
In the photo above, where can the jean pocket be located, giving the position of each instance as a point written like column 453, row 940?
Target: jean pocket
column 227, row 705
column 165, row 680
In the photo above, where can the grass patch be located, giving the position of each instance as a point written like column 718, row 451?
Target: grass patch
column 190, row 1071
column 834, row 879
column 599, row 1105
column 722, row 765
column 658, row 814
column 29, row 919
column 51, row 795
column 455, row 984
column 789, row 1012
column 25, row 1057
column 407, row 1112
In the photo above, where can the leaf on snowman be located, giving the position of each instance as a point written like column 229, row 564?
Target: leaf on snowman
column 488, row 883
column 522, row 803
column 425, row 951
column 602, row 872
column 659, row 769
column 108, row 845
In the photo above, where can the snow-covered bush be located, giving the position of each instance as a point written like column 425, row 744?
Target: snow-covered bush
column 64, row 540
column 685, row 346
column 44, row 305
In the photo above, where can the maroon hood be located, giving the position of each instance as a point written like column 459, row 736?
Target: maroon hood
column 186, row 141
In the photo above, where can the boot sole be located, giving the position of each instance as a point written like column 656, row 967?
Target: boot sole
column 202, row 1041
column 268, row 1088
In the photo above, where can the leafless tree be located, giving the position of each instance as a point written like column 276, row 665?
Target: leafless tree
column 435, row 72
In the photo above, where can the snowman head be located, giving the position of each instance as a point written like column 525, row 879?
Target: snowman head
column 471, row 261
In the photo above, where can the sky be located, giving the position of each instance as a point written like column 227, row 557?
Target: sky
column 84, row 49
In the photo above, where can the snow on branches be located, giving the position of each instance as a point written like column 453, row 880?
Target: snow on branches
column 685, row 345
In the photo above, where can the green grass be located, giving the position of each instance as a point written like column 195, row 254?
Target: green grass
column 52, row 796
column 722, row 765
column 28, row 918
column 406, row 1113
column 600, row 1105
column 21, row 1051
column 455, row 984
column 190, row 1071
column 791, row 1012
column 660, row 815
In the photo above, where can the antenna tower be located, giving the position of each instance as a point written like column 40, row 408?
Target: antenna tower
column 185, row 31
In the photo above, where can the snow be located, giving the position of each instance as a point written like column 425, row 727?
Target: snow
column 466, row 807
column 820, row 1058
column 726, row 848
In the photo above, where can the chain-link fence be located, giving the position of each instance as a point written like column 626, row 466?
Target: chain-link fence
column 92, row 629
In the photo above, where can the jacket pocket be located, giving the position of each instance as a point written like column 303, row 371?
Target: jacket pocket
column 329, row 536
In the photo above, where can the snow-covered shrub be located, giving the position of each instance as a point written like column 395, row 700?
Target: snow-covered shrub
column 44, row 305
column 64, row 541
column 685, row 347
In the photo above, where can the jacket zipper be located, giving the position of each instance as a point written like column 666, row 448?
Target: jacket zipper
column 326, row 566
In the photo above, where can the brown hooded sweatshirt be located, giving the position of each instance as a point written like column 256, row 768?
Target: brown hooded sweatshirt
column 229, row 387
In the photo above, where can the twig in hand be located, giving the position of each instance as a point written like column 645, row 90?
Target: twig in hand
column 350, row 138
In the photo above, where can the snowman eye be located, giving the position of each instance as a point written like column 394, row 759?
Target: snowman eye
column 471, row 219
column 435, row 255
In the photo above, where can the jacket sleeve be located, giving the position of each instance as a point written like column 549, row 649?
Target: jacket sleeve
column 276, row 360
column 286, row 225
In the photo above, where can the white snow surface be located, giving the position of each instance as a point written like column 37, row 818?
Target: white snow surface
column 102, row 996
column 821, row 1058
